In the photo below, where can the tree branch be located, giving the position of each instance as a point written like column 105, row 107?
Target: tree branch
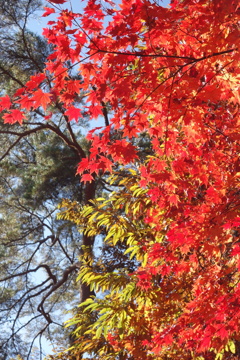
column 46, row 267
column 58, row 284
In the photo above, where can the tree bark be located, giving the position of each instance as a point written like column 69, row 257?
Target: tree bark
column 87, row 241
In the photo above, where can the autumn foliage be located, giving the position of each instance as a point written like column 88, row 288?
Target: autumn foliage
column 171, row 75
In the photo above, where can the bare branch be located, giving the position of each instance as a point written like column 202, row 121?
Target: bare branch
column 58, row 284
column 140, row 54
column 46, row 267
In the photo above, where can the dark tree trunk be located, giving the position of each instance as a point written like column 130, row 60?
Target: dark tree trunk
column 87, row 245
column 87, row 241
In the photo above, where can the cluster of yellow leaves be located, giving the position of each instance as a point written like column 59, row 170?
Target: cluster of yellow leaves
column 123, row 316
column 120, row 309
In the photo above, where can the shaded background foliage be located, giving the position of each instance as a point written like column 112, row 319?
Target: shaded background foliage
column 37, row 170
column 39, row 256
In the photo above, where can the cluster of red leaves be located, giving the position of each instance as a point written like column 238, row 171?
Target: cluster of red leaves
column 172, row 73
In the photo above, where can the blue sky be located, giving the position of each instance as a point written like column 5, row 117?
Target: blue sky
column 37, row 23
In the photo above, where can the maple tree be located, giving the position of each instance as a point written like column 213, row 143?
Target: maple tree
column 172, row 75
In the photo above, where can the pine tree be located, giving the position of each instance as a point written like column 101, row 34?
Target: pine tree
column 39, row 256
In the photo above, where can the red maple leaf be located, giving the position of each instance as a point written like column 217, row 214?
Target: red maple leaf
column 5, row 102
column 73, row 113
column 173, row 199
column 83, row 165
column 41, row 99
column 48, row 11
column 86, row 178
column 223, row 333
column 35, row 81
column 95, row 111
column 14, row 116
column 26, row 102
